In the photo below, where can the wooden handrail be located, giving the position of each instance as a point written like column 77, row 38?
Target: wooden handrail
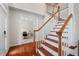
column 65, row 23
column 52, row 15
column 50, row 19
column 60, row 34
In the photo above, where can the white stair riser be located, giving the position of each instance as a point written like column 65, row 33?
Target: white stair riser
column 52, row 43
column 66, row 30
column 60, row 23
column 50, row 50
column 55, row 44
column 53, row 37
column 63, row 40
column 63, row 34
column 53, row 33
column 60, row 27
column 40, row 53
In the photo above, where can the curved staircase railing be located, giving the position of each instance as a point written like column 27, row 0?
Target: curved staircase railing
column 59, row 33
column 37, row 43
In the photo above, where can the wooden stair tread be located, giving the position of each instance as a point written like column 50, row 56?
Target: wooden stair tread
column 53, row 31
column 37, row 54
column 57, row 31
column 52, row 35
column 60, row 22
column 56, row 28
column 45, row 52
column 51, row 47
column 72, row 47
column 70, row 55
column 58, row 25
column 52, row 40
column 57, row 35
column 59, row 28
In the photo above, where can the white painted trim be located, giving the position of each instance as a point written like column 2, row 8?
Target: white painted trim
column 40, row 53
column 3, row 7
column 52, row 43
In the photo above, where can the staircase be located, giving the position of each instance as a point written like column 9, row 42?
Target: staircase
column 57, row 41
column 50, row 45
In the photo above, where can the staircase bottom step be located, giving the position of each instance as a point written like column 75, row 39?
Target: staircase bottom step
column 51, row 47
column 37, row 54
column 70, row 55
column 45, row 52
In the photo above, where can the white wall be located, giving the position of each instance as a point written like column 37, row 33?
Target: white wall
column 76, row 9
column 64, row 14
column 4, row 39
column 21, row 21
column 72, row 25
column 39, row 8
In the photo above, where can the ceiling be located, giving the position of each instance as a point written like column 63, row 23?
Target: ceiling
column 55, row 5
column 39, row 8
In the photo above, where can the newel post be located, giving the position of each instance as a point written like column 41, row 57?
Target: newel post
column 34, row 43
column 59, row 43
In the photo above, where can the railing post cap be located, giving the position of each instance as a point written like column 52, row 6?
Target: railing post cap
column 59, row 33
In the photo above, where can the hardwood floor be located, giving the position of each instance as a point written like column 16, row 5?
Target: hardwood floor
column 22, row 50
